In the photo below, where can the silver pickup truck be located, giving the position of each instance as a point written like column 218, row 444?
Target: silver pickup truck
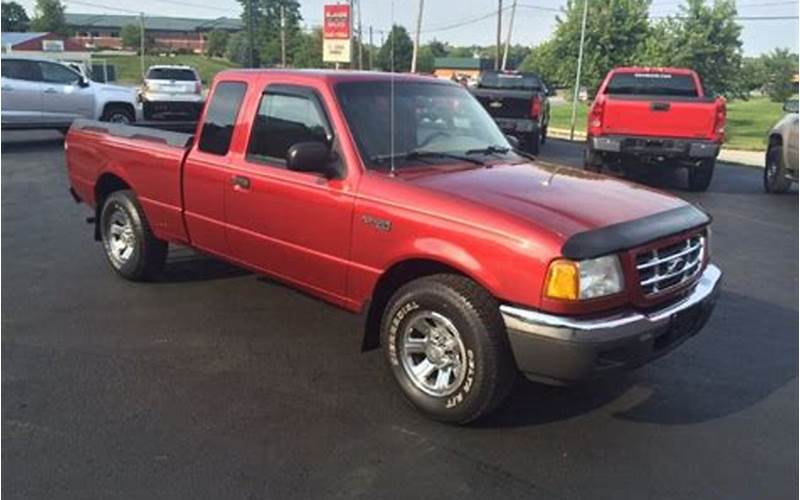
column 40, row 93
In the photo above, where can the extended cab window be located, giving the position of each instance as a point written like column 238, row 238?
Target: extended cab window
column 18, row 69
column 665, row 84
column 283, row 120
column 223, row 108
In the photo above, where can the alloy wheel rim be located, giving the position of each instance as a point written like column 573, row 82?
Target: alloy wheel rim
column 433, row 354
column 119, row 118
column 120, row 237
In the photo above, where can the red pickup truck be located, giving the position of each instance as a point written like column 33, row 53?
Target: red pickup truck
column 398, row 197
column 655, row 116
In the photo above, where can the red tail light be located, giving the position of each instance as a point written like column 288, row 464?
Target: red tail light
column 198, row 87
column 536, row 107
column 595, row 121
column 719, row 120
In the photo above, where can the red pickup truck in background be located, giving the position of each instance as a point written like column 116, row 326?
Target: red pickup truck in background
column 655, row 116
column 398, row 197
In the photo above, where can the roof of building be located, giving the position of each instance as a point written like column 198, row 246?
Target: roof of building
column 462, row 63
column 12, row 38
column 157, row 23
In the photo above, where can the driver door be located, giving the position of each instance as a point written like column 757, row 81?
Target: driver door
column 63, row 98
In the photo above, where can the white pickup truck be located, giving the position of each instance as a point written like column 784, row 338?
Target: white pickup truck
column 40, row 93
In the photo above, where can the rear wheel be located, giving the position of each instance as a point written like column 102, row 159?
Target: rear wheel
column 131, row 248
column 592, row 161
column 775, row 180
column 544, row 135
column 446, row 346
column 117, row 113
column 700, row 175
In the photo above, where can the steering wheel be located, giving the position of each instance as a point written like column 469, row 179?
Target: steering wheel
column 433, row 136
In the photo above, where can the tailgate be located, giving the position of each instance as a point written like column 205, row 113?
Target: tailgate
column 659, row 116
column 505, row 104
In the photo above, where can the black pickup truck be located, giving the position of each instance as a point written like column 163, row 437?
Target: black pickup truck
column 518, row 103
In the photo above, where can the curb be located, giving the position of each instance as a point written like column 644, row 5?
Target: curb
column 740, row 157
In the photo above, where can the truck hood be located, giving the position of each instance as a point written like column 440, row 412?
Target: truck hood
column 114, row 89
column 561, row 199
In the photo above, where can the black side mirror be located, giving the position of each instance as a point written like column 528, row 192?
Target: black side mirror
column 83, row 81
column 311, row 156
column 513, row 141
column 790, row 106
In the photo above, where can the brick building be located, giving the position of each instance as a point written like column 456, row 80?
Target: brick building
column 99, row 31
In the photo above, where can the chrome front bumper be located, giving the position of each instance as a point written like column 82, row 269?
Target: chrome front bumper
column 563, row 349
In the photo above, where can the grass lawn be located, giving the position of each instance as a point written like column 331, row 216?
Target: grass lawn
column 129, row 72
column 748, row 121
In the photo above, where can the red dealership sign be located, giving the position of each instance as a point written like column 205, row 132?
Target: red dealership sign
column 337, row 22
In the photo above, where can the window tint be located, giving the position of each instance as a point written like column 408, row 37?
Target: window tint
column 665, row 84
column 21, row 70
column 221, row 116
column 55, row 73
column 511, row 81
column 284, row 120
column 181, row 75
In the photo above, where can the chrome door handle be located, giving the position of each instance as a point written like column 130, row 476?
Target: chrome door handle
column 240, row 182
column 51, row 90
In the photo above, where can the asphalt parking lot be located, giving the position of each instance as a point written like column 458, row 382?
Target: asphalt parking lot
column 217, row 383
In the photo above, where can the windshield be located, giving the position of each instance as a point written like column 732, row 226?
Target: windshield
column 428, row 117
column 665, row 84
column 515, row 81
column 183, row 75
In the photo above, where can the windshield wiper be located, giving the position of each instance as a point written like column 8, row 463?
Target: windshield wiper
column 422, row 155
column 488, row 150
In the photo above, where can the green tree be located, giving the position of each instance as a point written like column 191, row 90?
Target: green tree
column 309, row 50
column 130, row 36
column 267, row 28
column 780, row 66
column 425, row 59
column 438, row 49
column 705, row 38
column 238, row 49
column 49, row 17
column 752, row 74
column 216, row 43
column 398, row 43
column 616, row 33
column 14, row 17
column 543, row 61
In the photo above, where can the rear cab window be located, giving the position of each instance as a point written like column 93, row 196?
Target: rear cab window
column 510, row 81
column 652, row 84
column 176, row 74
column 218, row 125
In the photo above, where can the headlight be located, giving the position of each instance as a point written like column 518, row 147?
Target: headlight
column 586, row 279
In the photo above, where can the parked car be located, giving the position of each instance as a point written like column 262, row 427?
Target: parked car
column 172, row 91
column 518, row 103
column 468, row 260
column 655, row 117
column 781, row 158
column 39, row 93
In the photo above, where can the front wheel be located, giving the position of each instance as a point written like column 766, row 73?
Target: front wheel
column 446, row 346
column 131, row 248
column 118, row 113
column 775, row 180
column 700, row 175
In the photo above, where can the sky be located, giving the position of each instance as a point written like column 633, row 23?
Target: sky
column 534, row 22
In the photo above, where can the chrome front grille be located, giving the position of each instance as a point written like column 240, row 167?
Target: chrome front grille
column 668, row 266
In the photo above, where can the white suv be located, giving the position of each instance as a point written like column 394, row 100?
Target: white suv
column 171, row 91
column 40, row 93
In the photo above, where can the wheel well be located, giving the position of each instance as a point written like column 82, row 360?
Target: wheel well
column 129, row 107
column 392, row 279
column 775, row 140
column 106, row 184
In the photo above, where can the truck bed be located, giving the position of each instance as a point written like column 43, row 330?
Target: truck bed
column 147, row 159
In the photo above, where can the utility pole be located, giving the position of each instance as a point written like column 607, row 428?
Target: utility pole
column 370, row 47
column 499, row 29
column 416, row 38
column 508, row 37
column 360, row 40
column 141, row 43
column 250, row 23
column 283, row 37
column 578, row 71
